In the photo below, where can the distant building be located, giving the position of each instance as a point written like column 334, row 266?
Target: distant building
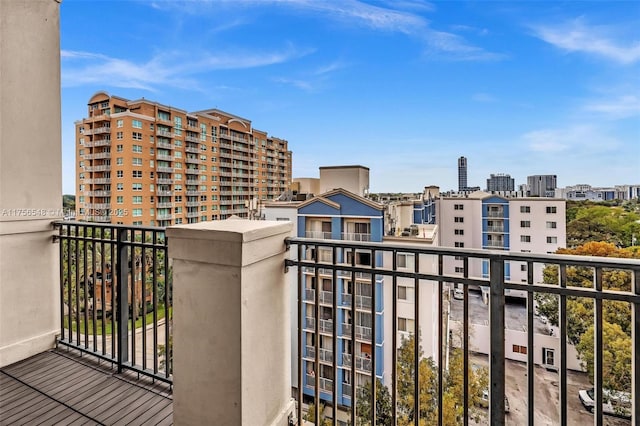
column 462, row 173
column 354, row 179
column 143, row 163
column 584, row 192
column 500, row 182
column 542, row 185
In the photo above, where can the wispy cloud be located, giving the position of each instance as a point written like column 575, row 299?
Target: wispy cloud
column 580, row 138
column 168, row 68
column 391, row 16
column 483, row 97
column 621, row 107
column 577, row 36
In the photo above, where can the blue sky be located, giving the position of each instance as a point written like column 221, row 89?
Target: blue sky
column 404, row 87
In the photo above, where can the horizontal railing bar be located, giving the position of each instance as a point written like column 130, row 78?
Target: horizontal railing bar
column 559, row 259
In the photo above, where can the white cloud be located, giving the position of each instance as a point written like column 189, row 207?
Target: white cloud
column 483, row 97
column 577, row 36
column 621, row 107
column 578, row 138
column 167, row 68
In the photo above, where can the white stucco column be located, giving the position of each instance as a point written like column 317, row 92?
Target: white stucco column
column 232, row 342
column 30, row 177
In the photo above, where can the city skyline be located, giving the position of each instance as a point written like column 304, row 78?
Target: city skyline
column 404, row 88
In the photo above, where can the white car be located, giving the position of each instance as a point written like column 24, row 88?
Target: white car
column 615, row 403
column 458, row 293
column 484, row 402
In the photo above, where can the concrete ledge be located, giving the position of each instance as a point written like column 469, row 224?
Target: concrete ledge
column 21, row 350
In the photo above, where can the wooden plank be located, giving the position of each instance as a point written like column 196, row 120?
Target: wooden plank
column 128, row 414
column 31, row 411
column 160, row 411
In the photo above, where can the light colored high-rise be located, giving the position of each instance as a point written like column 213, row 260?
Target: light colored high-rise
column 542, row 185
column 500, row 182
column 143, row 163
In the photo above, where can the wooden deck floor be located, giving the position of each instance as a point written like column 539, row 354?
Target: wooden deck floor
column 60, row 388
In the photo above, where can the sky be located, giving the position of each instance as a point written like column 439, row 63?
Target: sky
column 403, row 87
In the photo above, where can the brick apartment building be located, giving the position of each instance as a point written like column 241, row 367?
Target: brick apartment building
column 143, row 163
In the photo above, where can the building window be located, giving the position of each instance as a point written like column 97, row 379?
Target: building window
column 119, row 199
column 402, row 292
column 459, row 244
column 525, row 209
column 552, row 240
column 119, row 173
column 119, row 123
column 459, row 269
column 523, row 268
column 137, row 199
column 119, row 161
column 137, row 161
column 520, row 349
column 551, row 225
column 119, row 148
column 136, row 174
column 525, row 224
column 459, row 232
column 552, row 209
column 137, row 187
column 458, row 219
column 458, row 206
column 119, row 186
column 525, row 238
column 136, row 148
column 136, row 136
column 136, row 212
column 405, row 324
column 136, row 124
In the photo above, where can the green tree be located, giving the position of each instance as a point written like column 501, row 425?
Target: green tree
column 383, row 405
column 311, row 415
column 580, row 312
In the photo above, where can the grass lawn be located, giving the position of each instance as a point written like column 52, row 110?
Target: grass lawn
column 109, row 323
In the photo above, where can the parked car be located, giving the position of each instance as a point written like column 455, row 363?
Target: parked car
column 484, row 401
column 615, row 403
column 458, row 293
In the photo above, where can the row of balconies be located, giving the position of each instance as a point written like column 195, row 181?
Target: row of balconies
column 98, row 130
column 101, row 193
column 101, row 168
column 233, row 137
column 97, row 181
column 363, row 360
column 348, row 236
column 326, row 298
column 325, row 326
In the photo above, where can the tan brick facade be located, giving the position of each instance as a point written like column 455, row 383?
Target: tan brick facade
column 143, row 163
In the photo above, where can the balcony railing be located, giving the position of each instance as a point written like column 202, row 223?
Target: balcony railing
column 318, row 234
column 428, row 277
column 355, row 236
column 115, row 295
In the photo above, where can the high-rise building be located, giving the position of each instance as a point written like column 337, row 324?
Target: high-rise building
column 542, row 185
column 143, row 163
column 462, row 173
column 500, row 182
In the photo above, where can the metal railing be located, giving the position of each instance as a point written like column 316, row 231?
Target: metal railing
column 115, row 295
column 428, row 277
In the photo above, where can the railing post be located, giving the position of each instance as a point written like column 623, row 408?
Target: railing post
column 232, row 314
column 122, row 298
column 496, row 324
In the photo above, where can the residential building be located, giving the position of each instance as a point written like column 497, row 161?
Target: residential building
column 143, row 163
column 486, row 221
column 542, row 185
column 500, row 182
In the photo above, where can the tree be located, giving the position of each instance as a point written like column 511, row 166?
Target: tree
column 580, row 312
column 607, row 222
column 311, row 415
column 383, row 405
column 616, row 356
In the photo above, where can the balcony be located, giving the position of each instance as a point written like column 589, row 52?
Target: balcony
column 318, row 235
column 101, row 168
column 192, row 149
column 90, row 308
column 355, row 236
column 163, row 132
column 164, row 181
column 164, row 193
column 164, row 145
column 192, row 160
column 164, row 205
column 165, row 157
column 496, row 229
column 98, row 193
column 192, row 171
